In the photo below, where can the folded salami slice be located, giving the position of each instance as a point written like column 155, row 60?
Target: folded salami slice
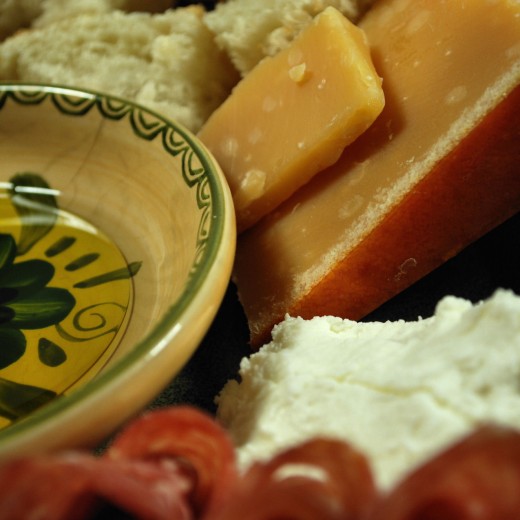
column 179, row 463
column 76, row 484
column 173, row 463
column 187, row 434
column 478, row 478
column 320, row 479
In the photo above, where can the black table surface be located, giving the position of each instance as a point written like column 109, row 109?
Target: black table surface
column 491, row 262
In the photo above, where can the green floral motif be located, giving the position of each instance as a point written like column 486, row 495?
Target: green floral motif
column 18, row 400
column 25, row 300
column 25, row 303
column 28, row 306
column 36, row 206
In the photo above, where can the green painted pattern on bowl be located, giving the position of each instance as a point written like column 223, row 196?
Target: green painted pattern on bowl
column 198, row 175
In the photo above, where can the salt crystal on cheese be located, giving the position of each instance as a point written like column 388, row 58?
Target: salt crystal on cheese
column 293, row 115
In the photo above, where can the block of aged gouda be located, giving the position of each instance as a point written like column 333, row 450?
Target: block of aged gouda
column 293, row 115
column 438, row 169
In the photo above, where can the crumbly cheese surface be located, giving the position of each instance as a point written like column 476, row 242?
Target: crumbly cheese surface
column 398, row 391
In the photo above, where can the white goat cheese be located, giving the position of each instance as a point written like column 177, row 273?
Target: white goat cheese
column 398, row 391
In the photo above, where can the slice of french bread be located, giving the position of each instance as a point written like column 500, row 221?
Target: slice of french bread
column 167, row 61
column 20, row 14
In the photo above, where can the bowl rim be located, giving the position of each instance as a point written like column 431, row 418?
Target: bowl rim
column 158, row 338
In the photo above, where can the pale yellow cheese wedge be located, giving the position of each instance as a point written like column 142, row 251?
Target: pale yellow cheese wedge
column 293, row 115
column 438, row 169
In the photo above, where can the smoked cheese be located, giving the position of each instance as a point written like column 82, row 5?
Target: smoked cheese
column 438, row 169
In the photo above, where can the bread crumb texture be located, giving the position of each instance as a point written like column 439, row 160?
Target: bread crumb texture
column 399, row 391
column 249, row 30
column 167, row 62
column 18, row 14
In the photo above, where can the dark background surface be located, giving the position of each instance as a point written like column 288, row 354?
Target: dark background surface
column 474, row 274
column 208, row 4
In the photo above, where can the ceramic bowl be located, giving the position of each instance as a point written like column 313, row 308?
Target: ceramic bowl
column 117, row 237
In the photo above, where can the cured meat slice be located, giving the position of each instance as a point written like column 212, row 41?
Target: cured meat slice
column 477, row 478
column 29, row 486
column 321, row 478
column 187, row 434
column 76, row 484
column 179, row 463
column 172, row 463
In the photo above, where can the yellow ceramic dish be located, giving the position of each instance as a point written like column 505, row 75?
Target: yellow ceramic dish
column 117, row 237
